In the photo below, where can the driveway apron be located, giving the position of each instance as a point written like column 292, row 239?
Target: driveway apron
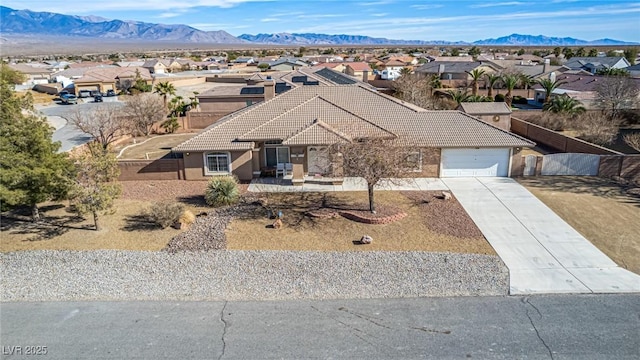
column 543, row 253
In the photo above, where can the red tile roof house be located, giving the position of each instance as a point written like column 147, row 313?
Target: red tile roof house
column 294, row 126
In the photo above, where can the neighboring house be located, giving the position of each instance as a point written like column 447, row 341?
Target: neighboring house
column 593, row 64
column 286, row 64
column 112, row 78
column 244, row 60
column 35, row 75
column 155, row 66
column 634, row 70
column 495, row 113
column 337, row 66
column 579, row 87
column 358, row 69
column 298, row 125
column 130, row 63
column 455, row 73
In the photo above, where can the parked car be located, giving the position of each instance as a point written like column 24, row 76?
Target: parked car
column 69, row 99
column 95, row 93
column 63, row 93
column 97, row 98
column 84, row 93
column 111, row 93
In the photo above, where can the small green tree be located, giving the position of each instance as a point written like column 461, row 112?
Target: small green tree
column 170, row 125
column 510, row 81
column 564, row 105
column 492, row 79
column 593, row 52
column 165, row 89
column 263, row 67
column 476, row 75
column 96, row 186
column 32, row 169
column 11, row 76
column 612, row 72
column 631, row 54
column 549, row 86
column 140, row 84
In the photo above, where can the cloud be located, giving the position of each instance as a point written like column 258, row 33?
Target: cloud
column 380, row 14
column 320, row 16
column 426, row 7
column 376, row 3
column 510, row 3
column 270, row 19
column 87, row 6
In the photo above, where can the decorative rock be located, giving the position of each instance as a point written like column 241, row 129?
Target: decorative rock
column 277, row 224
column 446, row 195
column 366, row 239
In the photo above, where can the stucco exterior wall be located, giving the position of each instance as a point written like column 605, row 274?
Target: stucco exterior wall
column 240, row 165
column 503, row 123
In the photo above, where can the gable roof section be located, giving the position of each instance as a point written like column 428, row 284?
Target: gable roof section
column 485, row 108
column 335, row 77
column 359, row 66
column 607, row 62
column 351, row 111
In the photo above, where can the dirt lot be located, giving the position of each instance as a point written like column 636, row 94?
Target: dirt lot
column 154, row 148
column 603, row 211
column 438, row 225
column 431, row 224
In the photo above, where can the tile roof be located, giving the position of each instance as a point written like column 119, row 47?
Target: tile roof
column 453, row 67
column 359, row 66
column 606, row 61
column 580, row 82
column 485, row 108
column 323, row 114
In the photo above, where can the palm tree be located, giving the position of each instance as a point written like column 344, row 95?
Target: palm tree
column 492, row 79
column 564, row 105
column 510, row 82
column 405, row 71
column 548, row 86
column 458, row 96
column 526, row 81
column 165, row 89
column 476, row 75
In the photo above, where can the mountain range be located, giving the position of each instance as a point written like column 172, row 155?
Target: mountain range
column 26, row 22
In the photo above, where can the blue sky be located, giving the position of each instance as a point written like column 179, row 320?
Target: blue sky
column 464, row 20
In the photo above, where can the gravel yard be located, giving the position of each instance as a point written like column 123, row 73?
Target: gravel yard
column 245, row 275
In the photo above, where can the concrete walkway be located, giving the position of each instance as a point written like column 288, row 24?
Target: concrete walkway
column 543, row 253
column 349, row 184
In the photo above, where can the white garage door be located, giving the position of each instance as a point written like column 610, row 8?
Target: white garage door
column 474, row 162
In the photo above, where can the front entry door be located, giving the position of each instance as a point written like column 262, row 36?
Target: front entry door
column 318, row 160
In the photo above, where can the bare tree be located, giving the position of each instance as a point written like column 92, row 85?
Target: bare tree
column 418, row 90
column 633, row 140
column 616, row 93
column 146, row 109
column 105, row 123
column 374, row 159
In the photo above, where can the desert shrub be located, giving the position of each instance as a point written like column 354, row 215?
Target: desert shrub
column 597, row 128
column 551, row 121
column 187, row 217
column 165, row 214
column 520, row 100
column 222, row 190
column 499, row 98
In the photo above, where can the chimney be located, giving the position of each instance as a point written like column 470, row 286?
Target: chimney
column 545, row 67
column 440, row 68
column 365, row 76
column 269, row 90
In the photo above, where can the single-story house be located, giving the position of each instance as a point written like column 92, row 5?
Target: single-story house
column 111, row 78
column 580, row 87
column 593, row 64
column 495, row 113
column 358, row 69
column 455, row 72
column 34, row 74
column 297, row 126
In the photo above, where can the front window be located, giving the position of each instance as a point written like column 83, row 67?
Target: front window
column 217, row 163
column 413, row 161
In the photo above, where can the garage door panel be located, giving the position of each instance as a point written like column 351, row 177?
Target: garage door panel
column 474, row 162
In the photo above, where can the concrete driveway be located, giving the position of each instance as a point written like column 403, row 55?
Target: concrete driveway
column 543, row 253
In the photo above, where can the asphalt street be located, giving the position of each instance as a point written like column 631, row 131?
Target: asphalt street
column 66, row 133
column 536, row 327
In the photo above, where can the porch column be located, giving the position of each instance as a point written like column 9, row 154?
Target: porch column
column 255, row 162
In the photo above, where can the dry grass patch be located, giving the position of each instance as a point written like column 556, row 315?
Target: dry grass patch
column 416, row 232
column 61, row 229
column 38, row 97
column 604, row 212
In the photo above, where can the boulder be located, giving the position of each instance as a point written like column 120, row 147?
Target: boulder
column 366, row 239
